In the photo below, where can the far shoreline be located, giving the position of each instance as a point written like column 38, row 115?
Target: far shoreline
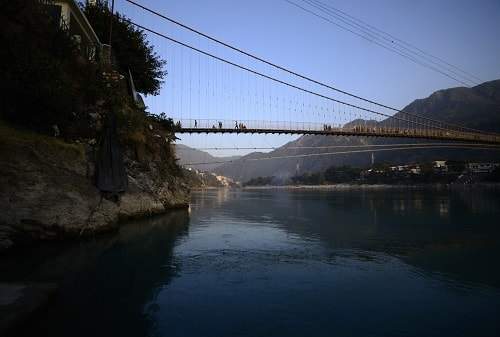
column 341, row 187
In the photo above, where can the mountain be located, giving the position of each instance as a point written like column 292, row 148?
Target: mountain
column 477, row 107
column 186, row 154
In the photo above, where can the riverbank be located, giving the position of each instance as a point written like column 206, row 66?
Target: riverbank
column 374, row 187
column 47, row 189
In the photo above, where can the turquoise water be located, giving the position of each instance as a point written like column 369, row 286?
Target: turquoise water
column 282, row 263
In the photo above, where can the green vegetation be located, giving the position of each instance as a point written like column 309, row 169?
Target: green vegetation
column 333, row 175
column 494, row 177
column 51, row 88
column 130, row 48
column 263, row 181
column 316, row 178
column 44, row 79
column 426, row 173
column 342, row 174
column 43, row 146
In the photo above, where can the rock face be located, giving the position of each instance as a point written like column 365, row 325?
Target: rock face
column 47, row 190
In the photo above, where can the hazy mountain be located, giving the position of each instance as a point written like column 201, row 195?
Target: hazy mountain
column 477, row 107
column 187, row 154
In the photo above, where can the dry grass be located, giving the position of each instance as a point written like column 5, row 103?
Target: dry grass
column 12, row 138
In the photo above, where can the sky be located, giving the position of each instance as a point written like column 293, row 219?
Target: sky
column 464, row 33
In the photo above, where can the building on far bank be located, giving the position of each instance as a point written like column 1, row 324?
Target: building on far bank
column 440, row 166
column 415, row 170
column 482, row 167
column 411, row 168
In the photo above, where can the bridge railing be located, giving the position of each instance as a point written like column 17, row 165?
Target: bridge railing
column 253, row 124
column 361, row 129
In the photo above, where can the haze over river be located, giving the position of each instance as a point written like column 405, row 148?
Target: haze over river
column 282, row 263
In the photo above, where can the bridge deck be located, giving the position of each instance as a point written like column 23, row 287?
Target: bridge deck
column 363, row 132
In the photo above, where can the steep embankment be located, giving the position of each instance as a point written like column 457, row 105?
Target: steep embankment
column 47, row 188
column 477, row 107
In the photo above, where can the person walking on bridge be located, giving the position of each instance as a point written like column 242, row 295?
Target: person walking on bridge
column 195, row 123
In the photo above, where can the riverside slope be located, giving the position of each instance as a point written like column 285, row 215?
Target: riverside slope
column 47, row 190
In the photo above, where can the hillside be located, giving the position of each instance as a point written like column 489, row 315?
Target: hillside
column 477, row 107
column 78, row 151
column 186, row 154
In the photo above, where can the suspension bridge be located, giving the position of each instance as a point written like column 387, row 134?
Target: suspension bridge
column 216, row 88
column 306, row 128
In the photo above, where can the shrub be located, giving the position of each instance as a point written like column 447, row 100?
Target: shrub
column 44, row 80
column 130, row 48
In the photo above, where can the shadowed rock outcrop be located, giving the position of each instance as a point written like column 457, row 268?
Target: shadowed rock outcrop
column 47, row 189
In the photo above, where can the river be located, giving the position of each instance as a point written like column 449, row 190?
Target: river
column 282, row 263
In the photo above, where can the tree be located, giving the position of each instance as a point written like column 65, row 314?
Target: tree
column 344, row 174
column 130, row 48
column 43, row 82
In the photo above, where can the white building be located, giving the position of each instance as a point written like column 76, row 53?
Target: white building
column 482, row 167
column 440, row 166
column 71, row 19
column 416, row 170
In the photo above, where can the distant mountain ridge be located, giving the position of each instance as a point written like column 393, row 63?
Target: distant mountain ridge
column 187, row 155
column 477, row 107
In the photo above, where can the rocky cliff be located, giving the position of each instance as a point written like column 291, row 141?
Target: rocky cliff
column 47, row 189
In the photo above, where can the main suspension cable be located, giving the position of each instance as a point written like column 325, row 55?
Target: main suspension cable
column 394, row 117
column 294, row 73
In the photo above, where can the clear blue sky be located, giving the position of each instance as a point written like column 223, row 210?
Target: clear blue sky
column 464, row 33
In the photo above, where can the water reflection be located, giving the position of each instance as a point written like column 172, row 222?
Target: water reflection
column 445, row 232
column 108, row 286
column 278, row 263
column 281, row 263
